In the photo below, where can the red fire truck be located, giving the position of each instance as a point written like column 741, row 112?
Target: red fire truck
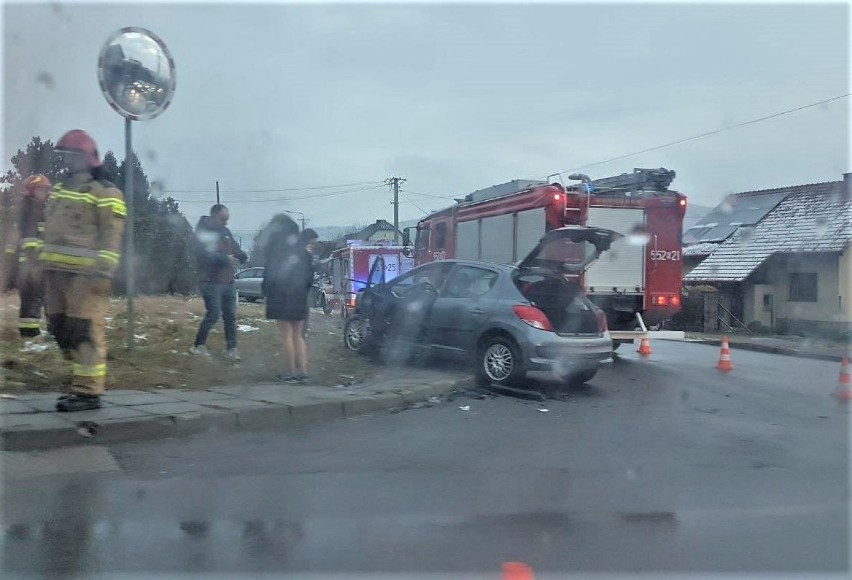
column 637, row 282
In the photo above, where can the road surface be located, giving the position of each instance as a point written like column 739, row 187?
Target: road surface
column 659, row 466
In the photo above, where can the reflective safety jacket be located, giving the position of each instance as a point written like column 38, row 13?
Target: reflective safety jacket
column 31, row 231
column 84, row 223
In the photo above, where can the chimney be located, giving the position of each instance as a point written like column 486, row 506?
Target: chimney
column 847, row 185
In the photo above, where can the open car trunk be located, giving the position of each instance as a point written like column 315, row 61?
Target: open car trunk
column 549, row 277
column 562, row 301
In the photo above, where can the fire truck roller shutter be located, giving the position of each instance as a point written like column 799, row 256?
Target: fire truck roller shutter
column 623, row 266
column 531, row 228
column 467, row 240
column 497, row 239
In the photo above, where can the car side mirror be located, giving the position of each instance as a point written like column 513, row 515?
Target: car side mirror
column 406, row 237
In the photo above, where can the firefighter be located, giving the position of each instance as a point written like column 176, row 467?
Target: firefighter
column 29, row 276
column 82, row 243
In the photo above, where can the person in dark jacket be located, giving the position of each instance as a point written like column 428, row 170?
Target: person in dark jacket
column 218, row 255
column 287, row 278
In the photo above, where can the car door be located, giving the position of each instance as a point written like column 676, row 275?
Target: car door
column 410, row 299
column 463, row 307
column 253, row 282
column 245, row 282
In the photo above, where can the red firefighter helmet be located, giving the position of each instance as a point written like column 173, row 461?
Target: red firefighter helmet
column 33, row 182
column 79, row 140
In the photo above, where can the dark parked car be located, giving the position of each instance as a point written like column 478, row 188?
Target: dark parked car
column 508, row 319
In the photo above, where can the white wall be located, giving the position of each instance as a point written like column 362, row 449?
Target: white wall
column 845, row 283
column 827, row 307
column 383, row 236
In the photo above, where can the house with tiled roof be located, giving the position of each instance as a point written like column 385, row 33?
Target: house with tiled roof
column 381, row 231
column 778, row 259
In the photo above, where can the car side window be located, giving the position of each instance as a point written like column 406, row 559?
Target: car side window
column 435, row 274
column 405, row 282
column 469, row 281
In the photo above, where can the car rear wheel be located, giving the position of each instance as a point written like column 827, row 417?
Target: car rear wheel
column 499, row 362
column 356, row 333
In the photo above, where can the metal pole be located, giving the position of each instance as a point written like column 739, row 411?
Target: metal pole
column 128, row 258
column 396, row 211
column 217, row 194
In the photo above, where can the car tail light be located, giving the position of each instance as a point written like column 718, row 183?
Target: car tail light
column 675, row 301
column 533, row 316
column 600, row 315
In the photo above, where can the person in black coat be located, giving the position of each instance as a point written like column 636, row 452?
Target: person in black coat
column 287, row 278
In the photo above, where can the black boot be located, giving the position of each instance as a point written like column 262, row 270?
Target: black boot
column 78, row 402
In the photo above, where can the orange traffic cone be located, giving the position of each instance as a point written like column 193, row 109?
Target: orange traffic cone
column 517, row 571
column 645, row 348
column 844, row 384
column 724, row 365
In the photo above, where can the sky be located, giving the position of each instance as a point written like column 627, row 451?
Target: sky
column 279, row 101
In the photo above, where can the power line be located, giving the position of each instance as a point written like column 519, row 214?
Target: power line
column 279, row 189
column 412, row 203
column 702, row 135
column 429, row 195
column 285, row 199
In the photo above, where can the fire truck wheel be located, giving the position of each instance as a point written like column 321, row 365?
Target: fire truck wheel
column 499, row 361
column 356, row 333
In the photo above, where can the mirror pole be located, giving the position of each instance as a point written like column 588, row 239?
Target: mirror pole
column 128, row 258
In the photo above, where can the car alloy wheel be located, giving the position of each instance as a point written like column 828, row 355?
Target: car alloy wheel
column 498, row 362
column 356, row 333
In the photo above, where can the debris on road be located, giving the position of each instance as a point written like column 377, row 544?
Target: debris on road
column 5, row 396
column 519, row 393
column 465, row 407
column 430, row 402
column 246, row 328
column 544, row 410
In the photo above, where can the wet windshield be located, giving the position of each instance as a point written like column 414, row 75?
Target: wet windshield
column 618, row 344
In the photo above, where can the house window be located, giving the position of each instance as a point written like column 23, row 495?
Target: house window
column 803, row 287
column 440, row 235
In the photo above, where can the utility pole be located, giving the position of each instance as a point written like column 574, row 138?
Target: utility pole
column 302, row 219
column 395, row 182
column 217, row 194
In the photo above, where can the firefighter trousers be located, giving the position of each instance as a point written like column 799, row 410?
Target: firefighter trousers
column 31, row 293
column 76, row 305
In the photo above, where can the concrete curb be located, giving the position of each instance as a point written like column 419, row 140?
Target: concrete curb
column 263, row 408
column 766, row 349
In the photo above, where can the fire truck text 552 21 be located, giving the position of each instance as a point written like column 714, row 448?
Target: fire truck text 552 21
column 660, row 255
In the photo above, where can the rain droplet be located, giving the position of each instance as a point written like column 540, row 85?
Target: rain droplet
column 46, row 79
column 820, row 226
column 638, row 236
column 157, row 189
column 727, row 206
column 151, row 155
